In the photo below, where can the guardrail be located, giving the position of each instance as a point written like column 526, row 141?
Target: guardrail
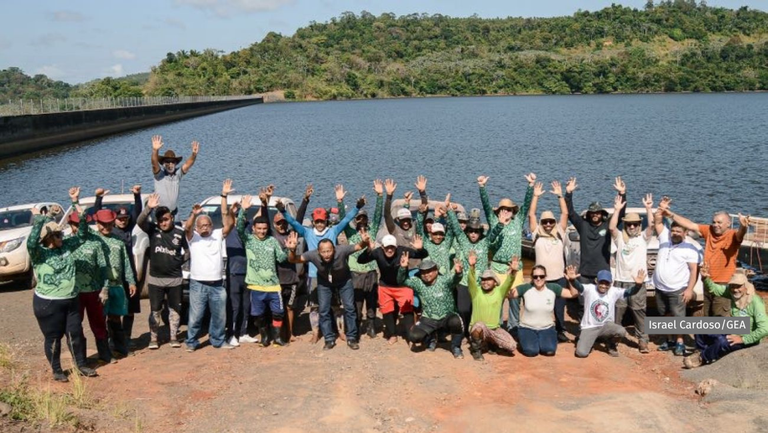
column 24, row 107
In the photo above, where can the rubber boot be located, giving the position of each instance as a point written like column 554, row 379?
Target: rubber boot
column 476, row 348
column 128, row 331
column 117, row 335
column 276, row 339
column 105, row 355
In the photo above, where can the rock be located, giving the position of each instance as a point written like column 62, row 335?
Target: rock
column 705, row 387
column 410, row 419
column 5, row 409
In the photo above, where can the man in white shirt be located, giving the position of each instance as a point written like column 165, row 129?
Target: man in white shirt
column 206, row 286
column 632, row 256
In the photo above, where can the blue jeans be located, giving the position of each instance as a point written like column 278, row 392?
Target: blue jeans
column 213, row 295
column 534, row 342
column 347, row 295
column 715, row 346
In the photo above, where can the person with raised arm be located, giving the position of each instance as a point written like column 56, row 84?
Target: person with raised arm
column 549, row 246
column 333, row 275
column 506, row 237
column 721, row 251
column 364, row 276
column 600, row 305
column 631, row 257
column 206, row 269
column 312, row 237
column 677, row 264
column 166, row 173
column 436, row 293
column 55, row 302
column 402, row 228
column 439, row 242
column 167, row 244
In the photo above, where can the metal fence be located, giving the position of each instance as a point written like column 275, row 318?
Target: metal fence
column 23, row 107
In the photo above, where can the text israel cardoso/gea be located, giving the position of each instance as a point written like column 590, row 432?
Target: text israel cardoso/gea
column 697, row 325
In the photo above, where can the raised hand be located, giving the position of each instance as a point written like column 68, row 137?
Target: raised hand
column 531, row 178
column 457, row 267
column 292, row 240
column 74, row 193
column 440, row 211
column 640, row 277
column 421, row 183
column 570, row 272
column 664, row 204
column 447, row 201
column 743, row 220
column 704, row 271
column 408, row 196
column 571, row 185
column 423, row 208
column 280, row 206
column 618, row 203
column 390, row 186
column 360, row 202
column 157, row 142
column 619, row 186
column 505, row 216
column 482, row 180
column 195, row 147
column 538, row 189
column 308, row 191
column 472, row 258
column 557, row 189
column 378, row 187
column 263, row 197
column 234, row 208
column 245, row 202
column 226, row 188
column 35, row 210
column 153, row 201
column 100, row 192
column 648, row 201
column 417, row 243
column 365, row 238
column 340, row 193
column 197, row 209
column 136, row 189
column 514, row 265
column 270, row 190
column 404, row 260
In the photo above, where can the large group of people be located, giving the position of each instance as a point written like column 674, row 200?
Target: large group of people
column 440, row 275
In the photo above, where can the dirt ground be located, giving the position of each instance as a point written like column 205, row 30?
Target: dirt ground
column 380, row 388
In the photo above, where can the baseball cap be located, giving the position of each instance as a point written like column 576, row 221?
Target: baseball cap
column 320, row 214
column 604, row 275
column 404, row 213
column 123, row 213
column 361, row 213
column 438, row 228
column 278, row 217
column 388, row 241
column 489, row 275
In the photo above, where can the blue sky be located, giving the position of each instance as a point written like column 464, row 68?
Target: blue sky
column 79, row 40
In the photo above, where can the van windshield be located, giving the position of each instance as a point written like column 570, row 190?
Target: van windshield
column 15, row 219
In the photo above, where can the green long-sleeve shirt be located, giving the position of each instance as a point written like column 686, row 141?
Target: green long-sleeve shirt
column 90, row 266
column 505, row 240
column 118, row 262
column 262, row 256
column 353, row 237
column 54, row 267
column 755, row 310
column 436, row 299
column 463, row 246
column 487, row 305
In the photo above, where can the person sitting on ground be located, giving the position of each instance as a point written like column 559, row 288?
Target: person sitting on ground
column 55, row 301
column 537, row 334
column 487, row 301
column 721, row 251
column 744, row 303
column 206, row 287
column 632, row 256
column 600, row 305
column 333, row 275
column 438, row 307
column 167, row 175
column 549, row 246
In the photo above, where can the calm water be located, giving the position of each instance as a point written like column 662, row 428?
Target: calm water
column 708, row 152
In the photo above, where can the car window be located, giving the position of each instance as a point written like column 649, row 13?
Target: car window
column 15, row 219
column 214, row 212
column 111, row 206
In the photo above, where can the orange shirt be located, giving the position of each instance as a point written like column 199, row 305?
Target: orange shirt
column 720, row 253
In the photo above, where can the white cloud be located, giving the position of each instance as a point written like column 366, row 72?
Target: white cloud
column 48, row 39
column 51, row 71
column 114, row 71
column 226, row 8
column 67, row 16
column 124, row 54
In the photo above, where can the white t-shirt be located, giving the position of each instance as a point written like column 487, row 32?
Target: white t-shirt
column 672, row 272
column 538, row 310
column 205, row 256
column 631, row 256
column 599, row 308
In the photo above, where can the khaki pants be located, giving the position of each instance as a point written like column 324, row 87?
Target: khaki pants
column 716, row 306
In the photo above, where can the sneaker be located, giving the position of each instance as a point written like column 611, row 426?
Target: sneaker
column 226, row 346
column 432, row 344
column 693, row 361
column 457, row 353
column 246, row 339
column 329, row 345
column 371, row 332
column 175, row 344
column 477, row 355
column 613, row 350
column 643, row 346
column 352, row 344
column 153, row 345
column 679, row 349
column 190, row 349
column 668, row 345
column 561, row 337
column 60, row 376
column 233, row 341
column 86, row 371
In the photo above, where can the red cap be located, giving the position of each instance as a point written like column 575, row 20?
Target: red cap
column 75, row 218
column 334, row 210
column 319, row 214
column 105, row 216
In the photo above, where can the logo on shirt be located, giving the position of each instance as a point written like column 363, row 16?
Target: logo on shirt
column 599, row 310
column 602, row 232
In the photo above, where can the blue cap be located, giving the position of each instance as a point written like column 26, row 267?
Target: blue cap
column 604, row 276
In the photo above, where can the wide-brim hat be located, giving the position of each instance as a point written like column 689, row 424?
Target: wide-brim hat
column 633, row 217
column 74, row 218
column 170, row 155
column 474, row 224
column 490, row 275
column 508, row 203
column 547, row 215
column 427, row 265
column 461, row 216
column 105, row 216
column 48, row 229
column 596, row 207
column 738, row 279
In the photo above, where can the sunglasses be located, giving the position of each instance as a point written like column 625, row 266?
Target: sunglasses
column 547, row 222
column 57, row 234
column 632, row 224
column 538, row 277
column 282, row 223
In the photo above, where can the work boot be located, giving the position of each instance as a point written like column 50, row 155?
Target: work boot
column 561, row 337
column 476, row 348
column 263, row 336
column 117, row 334
column 86, row 371
column 371, row 331
column 276, row 339
column 643, row 346
column 105, row 355
column 613, row 350
column 60, row 376
column 431, row 342
column 128, row 331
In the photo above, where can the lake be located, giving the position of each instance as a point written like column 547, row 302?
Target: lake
column 706, row 151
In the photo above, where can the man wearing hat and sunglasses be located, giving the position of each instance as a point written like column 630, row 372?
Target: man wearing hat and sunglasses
column 631, row 257
column 166, row 173
column 402, row 228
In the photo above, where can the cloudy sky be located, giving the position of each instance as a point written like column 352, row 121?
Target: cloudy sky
column 79, row 40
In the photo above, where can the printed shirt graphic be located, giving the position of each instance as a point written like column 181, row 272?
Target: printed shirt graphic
column 505, row 240
column 90, row 266
column 263, row 257
column 436, row 300
column 600, row 309
column 54, row 267
column 118, row 264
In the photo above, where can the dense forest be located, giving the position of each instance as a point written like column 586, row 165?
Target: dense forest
column 672, row 46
